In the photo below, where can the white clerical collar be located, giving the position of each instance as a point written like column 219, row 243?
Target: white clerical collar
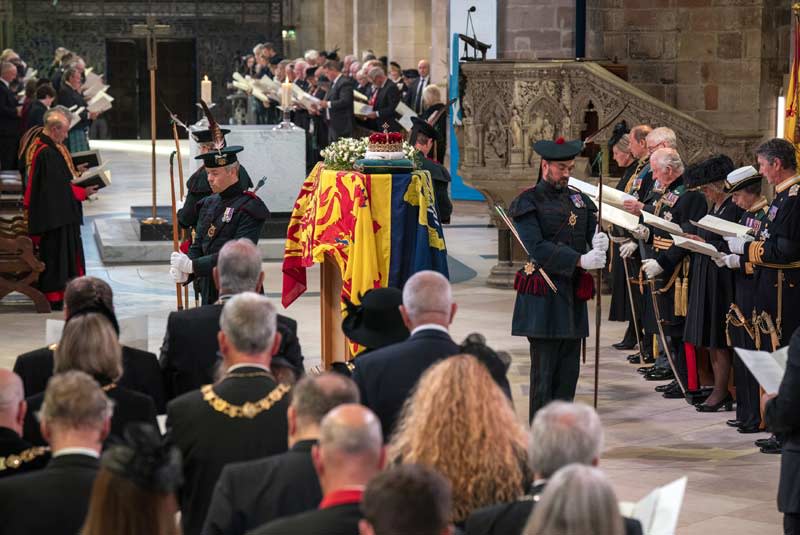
column 247, row 365
column 76, row 451
column 429, row 327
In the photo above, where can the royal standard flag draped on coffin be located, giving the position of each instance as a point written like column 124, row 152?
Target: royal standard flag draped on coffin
column 379, row 229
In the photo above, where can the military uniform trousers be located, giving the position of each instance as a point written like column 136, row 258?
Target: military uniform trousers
column 555, row 366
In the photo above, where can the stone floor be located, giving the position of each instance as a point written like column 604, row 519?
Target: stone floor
column 650, row 441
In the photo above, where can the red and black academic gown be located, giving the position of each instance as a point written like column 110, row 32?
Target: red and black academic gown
column 54, row 217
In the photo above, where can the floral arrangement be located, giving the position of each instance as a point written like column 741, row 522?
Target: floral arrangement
column 341, row 155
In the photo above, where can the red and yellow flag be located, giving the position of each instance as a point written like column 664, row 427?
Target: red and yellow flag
column 791, row 130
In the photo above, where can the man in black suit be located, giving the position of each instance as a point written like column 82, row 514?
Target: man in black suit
column 16, row 455
column 75, row 419
column 349, row 454
column 782, row 417
column 392, row 494
column 386, row 376
column 338, row 103
column 424, row 69
column 241, row 418
column 385, row 98
column 140, row 368
column 9, row 118
column 253, row 493
column 189, row 355
column 562, row 433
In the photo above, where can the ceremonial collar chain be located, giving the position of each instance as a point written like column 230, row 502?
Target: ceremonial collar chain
column 247, row 410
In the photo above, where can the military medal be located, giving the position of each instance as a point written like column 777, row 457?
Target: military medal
column 228, row 215
column 577, row 200
column 572, row 219
column 211, row 231
column 529, row 268
column 773, row 211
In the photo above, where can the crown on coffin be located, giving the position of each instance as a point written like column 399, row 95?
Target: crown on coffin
column 386, row 142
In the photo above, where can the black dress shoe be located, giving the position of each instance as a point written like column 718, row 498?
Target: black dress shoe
column 771, row 449
column 725, row 403
column 634, row 359
column 670, row 386
column 645, row 369
column 673, row 394
column 659, row 374
column 733, row 423
column 749, row 429
column 624, row 345
column 761, row 442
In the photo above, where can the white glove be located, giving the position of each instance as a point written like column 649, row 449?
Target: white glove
column 626, row 250
column 736, row 245
column 652, row 268
column 731, row 261
column 178, row 276
column 600, row 241
column 594, row 259
column 181, row 262
column 641, row 232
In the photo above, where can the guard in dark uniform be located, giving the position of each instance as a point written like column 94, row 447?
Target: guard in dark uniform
column 557, row 225
column 422, row 137
column 711, row 290
column 230, row 213
column 669, row 265
column 197, row 187
column 744, row 186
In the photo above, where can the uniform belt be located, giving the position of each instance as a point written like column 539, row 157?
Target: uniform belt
column 661, row 244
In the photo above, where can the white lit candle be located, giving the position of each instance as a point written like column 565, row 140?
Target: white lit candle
column 286, row 93
column 205, row 89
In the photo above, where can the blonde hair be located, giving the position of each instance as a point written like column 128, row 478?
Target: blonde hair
column 624, row 144
column 577, row 500
column 89, row 344
column 431, row 95
column 460, row 423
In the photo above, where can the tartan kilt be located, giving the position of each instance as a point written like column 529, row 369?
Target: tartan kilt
column 78, row 140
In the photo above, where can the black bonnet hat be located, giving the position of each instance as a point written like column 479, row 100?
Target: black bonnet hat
column 142, row 458
column 376, row 322
column 708, row 171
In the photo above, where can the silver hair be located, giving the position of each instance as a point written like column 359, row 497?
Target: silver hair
column 664, row 135
column 75, row 400
column 57, row 110
column 239, row 266
column 311, row 55
column 577, row 500
column 665, row 158
column 258, row 49
column 249, row 322
column 7, row 66
column 349, row 438
column 426, row 292
column 564, row 433
column 375, row 71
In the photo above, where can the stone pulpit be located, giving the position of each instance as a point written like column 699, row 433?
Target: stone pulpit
column 508, row 105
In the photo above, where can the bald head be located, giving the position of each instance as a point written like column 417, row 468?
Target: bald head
column 350, row 450
column 12, row 401
column 427, row 298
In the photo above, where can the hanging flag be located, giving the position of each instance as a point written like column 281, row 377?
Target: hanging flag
column 791, row 131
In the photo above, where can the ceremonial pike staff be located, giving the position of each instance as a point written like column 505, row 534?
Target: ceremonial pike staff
column 599, row 285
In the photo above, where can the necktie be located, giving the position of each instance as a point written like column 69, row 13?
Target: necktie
column 374, row 99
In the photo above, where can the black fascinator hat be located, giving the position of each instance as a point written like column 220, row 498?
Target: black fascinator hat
column 143, row 459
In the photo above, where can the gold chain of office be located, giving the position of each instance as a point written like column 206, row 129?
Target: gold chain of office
column 248, row 409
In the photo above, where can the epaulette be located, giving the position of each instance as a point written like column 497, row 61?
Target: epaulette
column 16, row 460
column 524, row 203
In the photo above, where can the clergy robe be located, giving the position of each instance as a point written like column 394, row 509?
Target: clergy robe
column 55, row 216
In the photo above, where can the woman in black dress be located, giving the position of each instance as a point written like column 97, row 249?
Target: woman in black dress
column 711, row 287
column 432, row 104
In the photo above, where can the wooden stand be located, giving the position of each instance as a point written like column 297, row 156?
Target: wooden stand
column 333, row 341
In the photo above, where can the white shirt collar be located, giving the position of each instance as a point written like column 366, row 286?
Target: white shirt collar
column 247, row 365
column 76, row 451
column 429, row 327
column 334, row 80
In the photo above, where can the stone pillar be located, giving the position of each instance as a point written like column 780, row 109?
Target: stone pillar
column 409, row 31
column 371, row 27
column 440, row 42
column 536, row 29
column 309, row 18
column 338, row 16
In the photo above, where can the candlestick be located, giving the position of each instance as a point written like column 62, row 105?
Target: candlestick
column 205, row 89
